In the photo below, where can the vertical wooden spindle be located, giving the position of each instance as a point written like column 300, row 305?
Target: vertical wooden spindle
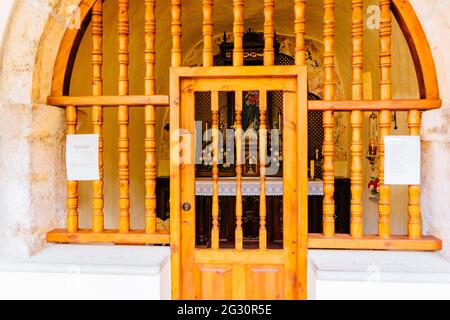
column 97, row 112
column 123, row 118
column 262, row 168
column 72, row 186
column 414, row 223
column 238, row 60
column 269, row 32
column 238, row 32
column 300, row 31
column 239, row 237
column 208, row 33
column 215, row 169
column 356, row 229
column 302, row 158
column 150, row 118
column 328, row 120
column 384, row 206
column 176, row 33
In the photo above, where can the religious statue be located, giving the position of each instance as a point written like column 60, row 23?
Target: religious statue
column 250, row 112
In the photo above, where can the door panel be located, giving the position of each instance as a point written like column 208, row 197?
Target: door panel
column 239, row 273
column 213, row 282
column 264, row 282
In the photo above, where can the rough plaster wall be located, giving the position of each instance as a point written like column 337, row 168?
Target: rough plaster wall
column 435, row 131
column 32, row 187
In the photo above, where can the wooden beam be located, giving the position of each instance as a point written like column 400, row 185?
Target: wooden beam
column 313, row 105
column 345, row 241
column 108, row 101
column 139, row 237
column 374, row 105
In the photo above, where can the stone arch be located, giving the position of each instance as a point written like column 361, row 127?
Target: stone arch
column 32, row 192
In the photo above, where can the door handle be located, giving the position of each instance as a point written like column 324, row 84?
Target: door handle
column 186, row 206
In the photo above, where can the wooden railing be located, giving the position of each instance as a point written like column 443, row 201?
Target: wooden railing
column 357, row 238
column 98, row 234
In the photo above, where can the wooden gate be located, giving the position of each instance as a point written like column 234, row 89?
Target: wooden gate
column 238, row 273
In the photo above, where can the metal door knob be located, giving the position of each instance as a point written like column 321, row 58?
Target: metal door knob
column 186, row 206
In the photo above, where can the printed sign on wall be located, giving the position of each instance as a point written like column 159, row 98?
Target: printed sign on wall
column 82, row 157
column 402, row 160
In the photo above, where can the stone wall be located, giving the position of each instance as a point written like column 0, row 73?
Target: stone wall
column 32, row 134
column 435, row 131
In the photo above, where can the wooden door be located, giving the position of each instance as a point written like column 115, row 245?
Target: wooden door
column 238, row 273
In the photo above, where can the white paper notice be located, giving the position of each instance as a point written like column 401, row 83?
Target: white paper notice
column 82, row 157
column 402, row 160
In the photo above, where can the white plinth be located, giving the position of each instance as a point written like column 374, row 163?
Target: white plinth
column 88, row 272
column 358, row 275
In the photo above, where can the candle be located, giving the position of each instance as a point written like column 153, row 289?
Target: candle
column 206, row 132
column 373, row 148
column 311, row 170
column 279, row 121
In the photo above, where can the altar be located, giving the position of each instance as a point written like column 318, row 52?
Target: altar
column 250, row 203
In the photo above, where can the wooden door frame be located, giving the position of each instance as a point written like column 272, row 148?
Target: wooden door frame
column 176, row 77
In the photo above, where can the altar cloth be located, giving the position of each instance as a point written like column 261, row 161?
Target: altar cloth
column 251, row 187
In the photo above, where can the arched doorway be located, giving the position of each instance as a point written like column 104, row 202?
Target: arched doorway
column 424, row 76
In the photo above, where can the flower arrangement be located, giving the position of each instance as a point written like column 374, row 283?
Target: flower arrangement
column 374, row 185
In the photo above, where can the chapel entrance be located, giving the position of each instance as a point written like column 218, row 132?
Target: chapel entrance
column 239, row 272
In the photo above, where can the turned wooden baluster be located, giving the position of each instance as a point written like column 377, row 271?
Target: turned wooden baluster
column 328, row 120
column 150, row 118
column 176, row 33
column 300, row 31
column 302, row 122
column 269, row 60
column 356, row 227
column 269, row 32
column 239, row 237
column 72, row 186
column 208, row 33
column 215, row 170
column 238, row 32
column 238, row 60
column 123, row 118
column 262, row 168
column 384, row 206
column 97, row 112
column 414, row 223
